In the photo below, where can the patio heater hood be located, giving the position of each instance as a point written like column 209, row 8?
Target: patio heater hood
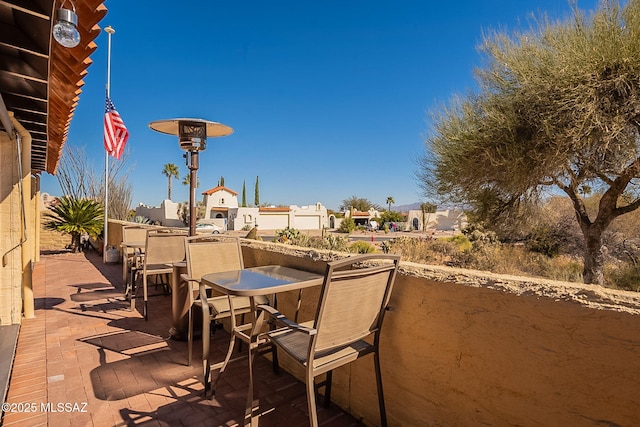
column 192, row 133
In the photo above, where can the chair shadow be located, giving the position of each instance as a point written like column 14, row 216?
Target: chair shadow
column 47, row 303
column 144, row 352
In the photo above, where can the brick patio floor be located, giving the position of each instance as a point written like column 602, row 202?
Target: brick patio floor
column 86, row 360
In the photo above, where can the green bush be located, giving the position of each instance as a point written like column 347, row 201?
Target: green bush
column 546, row 241
column 347, row 225
column 288, row 235
column 361, row 247
column 335, row 243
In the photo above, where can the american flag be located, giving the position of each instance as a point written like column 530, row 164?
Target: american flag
column 115, row 132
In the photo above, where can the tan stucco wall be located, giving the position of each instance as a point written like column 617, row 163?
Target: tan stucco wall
column 467, row 348
column 51, row 240
column 18, row 237
column 10, row 224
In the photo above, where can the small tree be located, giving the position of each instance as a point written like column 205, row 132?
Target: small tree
column 357, row 203
column 256, row 198
column 244, row 194
column 170, row 170
column 76, row 217
column 78, row 178
column 347, row 225
column 557, row 108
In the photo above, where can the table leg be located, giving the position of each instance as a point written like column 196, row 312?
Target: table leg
column 251, row 411
column 180, row 304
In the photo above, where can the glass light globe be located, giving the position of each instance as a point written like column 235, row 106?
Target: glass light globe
column 65, row 31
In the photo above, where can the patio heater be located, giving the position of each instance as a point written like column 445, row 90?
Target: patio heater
column 192, row 137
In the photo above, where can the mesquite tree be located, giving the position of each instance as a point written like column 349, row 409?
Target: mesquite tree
column 557, row 107
column 79, row 178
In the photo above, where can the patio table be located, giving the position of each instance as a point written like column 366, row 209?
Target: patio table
column 252, row 282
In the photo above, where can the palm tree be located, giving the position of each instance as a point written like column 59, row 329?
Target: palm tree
column 170, row 170
column 187, row 180
column 390, row 201
column 76, row 217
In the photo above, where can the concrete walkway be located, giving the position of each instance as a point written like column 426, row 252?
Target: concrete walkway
column 86, row 360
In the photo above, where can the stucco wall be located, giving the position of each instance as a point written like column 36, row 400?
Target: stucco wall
column 467, row 348
column 166, row 214
column 19, row 237
column 11, row 225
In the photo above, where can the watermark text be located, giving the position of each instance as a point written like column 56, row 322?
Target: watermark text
column 44, row 407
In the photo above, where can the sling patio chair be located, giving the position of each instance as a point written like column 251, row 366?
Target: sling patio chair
column 212, row 254
column 131, row 234
column 351, row 307
column 163, row 247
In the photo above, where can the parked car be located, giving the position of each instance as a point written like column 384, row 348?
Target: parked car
column 208, row 228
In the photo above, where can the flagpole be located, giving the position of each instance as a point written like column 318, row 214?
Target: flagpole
column 105, row 239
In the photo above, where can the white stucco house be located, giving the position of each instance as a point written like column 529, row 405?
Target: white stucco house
column 166, row 214
column 221, row 207
column 453, row 219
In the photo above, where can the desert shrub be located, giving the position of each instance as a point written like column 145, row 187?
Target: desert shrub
column 294, row 237
column 347, row 225
column 624, row 276
column 361, row 247
column 287, row 235
column 476, row 233
column 461, row 241
column 335, row 243
column 545, row 240
column 421, row 250
column 480, row 257
column 565, row 268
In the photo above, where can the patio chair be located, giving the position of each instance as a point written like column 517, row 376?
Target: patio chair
column 204, row 255
column 163, row 247
column 131, row 233
column 351, row 307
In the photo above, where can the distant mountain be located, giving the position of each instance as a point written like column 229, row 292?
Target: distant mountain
column 416, row 207
column 406, row 208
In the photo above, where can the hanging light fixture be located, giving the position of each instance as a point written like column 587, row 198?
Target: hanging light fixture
column 65, row 31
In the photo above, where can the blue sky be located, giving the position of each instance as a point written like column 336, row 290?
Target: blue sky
column 327, row 99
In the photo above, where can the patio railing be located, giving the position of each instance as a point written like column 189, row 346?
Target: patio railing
column 463, row 347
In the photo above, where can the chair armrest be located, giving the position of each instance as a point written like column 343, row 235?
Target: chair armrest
column 206, row 314
column 186, row 278
column 284, row 321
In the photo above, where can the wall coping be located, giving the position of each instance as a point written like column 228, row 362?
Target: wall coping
column 592, row 296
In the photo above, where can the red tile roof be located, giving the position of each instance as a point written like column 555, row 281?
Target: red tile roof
column 219, row 188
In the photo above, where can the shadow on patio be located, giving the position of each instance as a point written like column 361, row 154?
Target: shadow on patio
column 108, row 367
